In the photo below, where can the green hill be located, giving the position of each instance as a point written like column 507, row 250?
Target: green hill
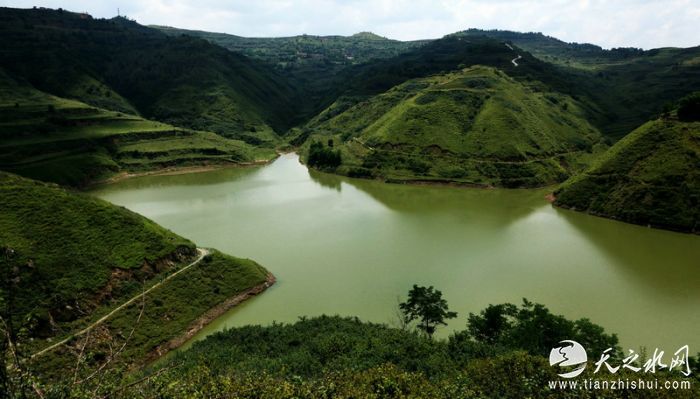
column 69, row 142
column 454, row 53
column 68, row 259
column 477, row 126
column 310, row 63
column 449, row 54
column 122, row 66
column 629, row 85
column 650, row 177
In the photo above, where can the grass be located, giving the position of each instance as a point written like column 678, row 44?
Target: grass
column 68, row 142
column 76, row 257
column 168, row 312
column 475, row 126
column 629, row 86
column 69, row 244
column 650, row 177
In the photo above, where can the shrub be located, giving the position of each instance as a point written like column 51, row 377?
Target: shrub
column 322, row 157
column 689, row 107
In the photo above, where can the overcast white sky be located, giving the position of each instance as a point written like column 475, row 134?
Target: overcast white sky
column 614, row 23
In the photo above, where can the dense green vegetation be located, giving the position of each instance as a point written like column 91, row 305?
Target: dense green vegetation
column 314, row 346
column 450, row 53
column 69, row 142
column 82, row 100
column 689, row 107
column 324, row 157
column 476, row 126
column 69, row 246
column 551, row 49
column 327, row 357
column 310, row 63
column 68, row 259
column 187, row 79
column 651, row 177
column 150, row 328
column 119, row 65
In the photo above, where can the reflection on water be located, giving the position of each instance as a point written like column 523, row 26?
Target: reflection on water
column 351, row 247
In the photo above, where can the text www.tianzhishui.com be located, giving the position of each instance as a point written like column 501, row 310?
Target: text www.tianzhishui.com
column 627, row 384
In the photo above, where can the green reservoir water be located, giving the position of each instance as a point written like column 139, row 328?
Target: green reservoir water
column 353, row 247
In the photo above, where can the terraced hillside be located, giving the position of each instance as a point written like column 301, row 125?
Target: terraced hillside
column 119, row 65
column 68, row 259
column 651, row 177
column 69, row 142
column 476, row 126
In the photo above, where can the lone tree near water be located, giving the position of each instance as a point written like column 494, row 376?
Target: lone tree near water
column 427, row 306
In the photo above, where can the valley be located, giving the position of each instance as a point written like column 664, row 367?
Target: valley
column 549, row 190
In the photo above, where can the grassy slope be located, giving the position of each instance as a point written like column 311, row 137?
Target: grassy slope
column 74, row 242
column 629, row 85
column 476, row 126
column 650, row 177
column 77, row 257
column 168, row 312
column 69, row 142
column 119, row 65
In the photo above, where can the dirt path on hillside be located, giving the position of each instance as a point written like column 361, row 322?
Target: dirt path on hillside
column 202, row 253
column 514, row 60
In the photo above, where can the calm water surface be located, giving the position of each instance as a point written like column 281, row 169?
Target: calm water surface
column 353, row 247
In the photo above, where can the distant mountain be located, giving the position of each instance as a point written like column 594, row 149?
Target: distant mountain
column 310, row 63
column 120, row 65
column 629, row 85
column 650, row 177
column 476, row 126
column 450, row 53
column 553, row 50
column 368, row 36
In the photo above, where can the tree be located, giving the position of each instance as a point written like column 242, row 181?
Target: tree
column 689, row 107
column 533, row 328
column 490, row 326
column 427, row 306
column 323, row 158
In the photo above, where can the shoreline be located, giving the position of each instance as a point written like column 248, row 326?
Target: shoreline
column 427, row 181
column 661, row 227
column 206, row 318
column 178, row 170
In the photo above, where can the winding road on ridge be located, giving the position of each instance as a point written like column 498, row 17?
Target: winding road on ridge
column 202, row 253
column 514, row 60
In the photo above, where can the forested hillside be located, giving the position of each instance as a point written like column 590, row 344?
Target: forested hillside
column 310, row 63
column 120, row 65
